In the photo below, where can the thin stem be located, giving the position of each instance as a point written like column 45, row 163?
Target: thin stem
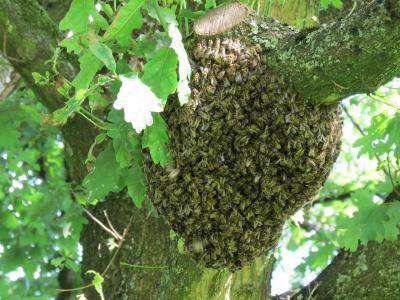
column 74, row 289
column 91, row 121
column 111, row 226
column 89, row 114
column 126, row 230
column 101, row 224
column 159, row 15
column 364, row 134
column 109, row 263
column 383, row 102
column 142, row 266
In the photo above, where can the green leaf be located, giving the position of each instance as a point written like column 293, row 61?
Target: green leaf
column 98, row 140
column 136, row 183
column 40, row 79
column 58, row 261
column 105, row 176
column 194, row 15
column 97, row 282
column 372, row 142
column 103, row 53
column 160, row 73
column 320, row 258
column 337, row 3
column 11, row 117
column 89, row 65
column 155, row 137
column 128, row 154
column 393, row 134
column 181, row 246
column 71, row 264
column 127, row 19
column 60, row 116
column 77, row 17
column 73, row 44
column 125, row 141
column 210, row 4
column 370, row 223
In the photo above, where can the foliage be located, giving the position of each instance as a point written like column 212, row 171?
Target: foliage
column 40, row 222
column 97, row 282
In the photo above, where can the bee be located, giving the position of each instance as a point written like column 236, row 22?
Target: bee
column 199, row 50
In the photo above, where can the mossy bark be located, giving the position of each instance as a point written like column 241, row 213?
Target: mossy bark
column 353, row 54
column 320, row 64
column 372, row 272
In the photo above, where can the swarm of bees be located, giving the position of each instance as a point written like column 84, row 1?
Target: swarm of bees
column 248, row 153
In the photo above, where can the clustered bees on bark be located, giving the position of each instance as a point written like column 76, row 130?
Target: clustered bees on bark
column 247, row 154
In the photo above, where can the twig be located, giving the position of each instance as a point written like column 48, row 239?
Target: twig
column 142, row 266
column 126, row 230
column 119, row 247
column 74, row 289
column 340, row 86
column 342, row 196
column 364, row 134
column 383, row 102
column 5, row 50
column 390, row 172
column 111, row 226
column 117, row 237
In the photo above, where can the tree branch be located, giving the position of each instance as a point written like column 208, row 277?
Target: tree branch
column 355, row 54
column 360, row 269
column 29, row 37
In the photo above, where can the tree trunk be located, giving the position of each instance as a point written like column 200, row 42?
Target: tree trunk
column 149, row 266
column 325, row 65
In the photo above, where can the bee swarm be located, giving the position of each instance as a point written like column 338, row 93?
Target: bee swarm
column 248, row 153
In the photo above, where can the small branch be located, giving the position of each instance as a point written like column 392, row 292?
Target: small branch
column 377, row 256
column 111, row 226
column 5, row 50
column 119, row 247
column 364, row 134
column 142, row 266
column 74, row 289
column 383, row 102
column 355, row 124
column 114, row 234
column 103, row 274
column 342, row 196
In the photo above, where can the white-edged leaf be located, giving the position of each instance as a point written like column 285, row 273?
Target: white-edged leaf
column 138, row 101
column 184, row 69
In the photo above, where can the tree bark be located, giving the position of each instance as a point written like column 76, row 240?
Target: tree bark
column 354, row 54
column 325, row 65
column 372, row 272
